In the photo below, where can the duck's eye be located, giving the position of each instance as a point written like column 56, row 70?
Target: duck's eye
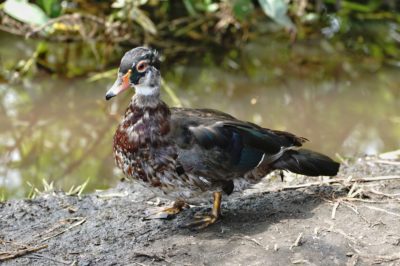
column 142, row 66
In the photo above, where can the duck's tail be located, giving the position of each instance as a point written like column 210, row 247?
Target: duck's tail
column 306, row 162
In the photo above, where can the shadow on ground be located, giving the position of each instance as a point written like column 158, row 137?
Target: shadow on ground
column 312, row 226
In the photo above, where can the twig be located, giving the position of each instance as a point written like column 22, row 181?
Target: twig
column 7, row 255
column 379, row 259
column 341, row 159
column 342, row 181
column 112, row 195
column 364, row 200
column 384, row 194
column 354, row 209
column 390, row 155
column 297, row 242
column 376, row 178
column 353, row 260
column 154, row 257
column 381, row 210
column 65, row 230
column 43, row 257
column 304, row 262
column 335, row 206
column 387, row 258
column 341, row 232
column 358, row 192
column 140, row 264
column 386, row 162
column 254, row 241
column 251, row 240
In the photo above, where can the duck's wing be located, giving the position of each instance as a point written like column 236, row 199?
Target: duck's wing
column 212, row 143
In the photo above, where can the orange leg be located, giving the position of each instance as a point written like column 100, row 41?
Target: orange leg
column 203, row 221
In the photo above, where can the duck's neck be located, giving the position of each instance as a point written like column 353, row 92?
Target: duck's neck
column 145, row 124
column 146, row 101
column 150, row 113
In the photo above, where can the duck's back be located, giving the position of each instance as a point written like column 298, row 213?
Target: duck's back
column 218, row 147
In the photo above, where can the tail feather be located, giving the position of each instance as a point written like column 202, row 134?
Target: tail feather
column 307, row 162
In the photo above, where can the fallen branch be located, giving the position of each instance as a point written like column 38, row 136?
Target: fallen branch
column 249, row 239
column 335, row 206
column 393, row 196
column 297, row 242
column 366, row 200
column 381, row 210
column 387, row 258
column 153, row 257
column 377, row 259
column 25, row 250
column 342, row 181
column 79, row 222
column 353, row 260
column 387, row 162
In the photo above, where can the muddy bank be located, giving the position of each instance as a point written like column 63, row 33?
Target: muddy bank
column 353, row 222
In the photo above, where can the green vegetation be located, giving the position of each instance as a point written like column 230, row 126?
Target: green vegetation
column 369, row 28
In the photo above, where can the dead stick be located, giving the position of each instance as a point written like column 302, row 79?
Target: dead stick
column 297, row 242
column 65, row 230
column 335, row 206
column 384, row 194
column 381, row 210
column 341, row 181
column 21, row 252
column 387, row 162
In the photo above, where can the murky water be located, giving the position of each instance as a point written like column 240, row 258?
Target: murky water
column 61, row 129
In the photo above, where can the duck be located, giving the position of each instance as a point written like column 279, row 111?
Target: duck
column 190, row 155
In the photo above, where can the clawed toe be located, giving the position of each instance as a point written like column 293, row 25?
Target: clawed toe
column 166, row 213
column 202, row 221
column 160, row 213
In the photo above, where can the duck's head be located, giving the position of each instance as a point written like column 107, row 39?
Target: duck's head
column 139, row 69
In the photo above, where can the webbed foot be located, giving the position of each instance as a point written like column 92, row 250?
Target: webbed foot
column 202, row 221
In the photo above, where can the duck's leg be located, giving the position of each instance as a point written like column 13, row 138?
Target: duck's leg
column 203, row 221
column 168, row 213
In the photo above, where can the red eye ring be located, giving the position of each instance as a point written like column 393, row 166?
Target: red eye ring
column 141, row 66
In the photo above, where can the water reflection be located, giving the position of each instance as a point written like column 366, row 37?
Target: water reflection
column 61, row 129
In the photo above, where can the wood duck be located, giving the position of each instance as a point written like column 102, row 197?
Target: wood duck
column 189, row 153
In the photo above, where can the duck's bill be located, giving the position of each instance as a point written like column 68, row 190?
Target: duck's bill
column 120, row 85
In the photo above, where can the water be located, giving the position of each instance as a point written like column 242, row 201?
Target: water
column 61, row 129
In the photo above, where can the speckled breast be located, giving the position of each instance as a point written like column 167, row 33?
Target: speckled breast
column 140, row 146
column 143, row 152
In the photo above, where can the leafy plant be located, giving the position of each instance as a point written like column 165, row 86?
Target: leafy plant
column 25, row 12
column 242, row 9
column 277, row 10
column 129, row 9
column 51, row 7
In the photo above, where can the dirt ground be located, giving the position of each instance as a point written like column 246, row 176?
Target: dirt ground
column 355, row 221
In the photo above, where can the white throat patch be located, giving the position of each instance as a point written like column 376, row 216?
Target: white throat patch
column 145, row 90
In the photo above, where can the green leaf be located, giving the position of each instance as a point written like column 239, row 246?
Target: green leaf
column 371, row 6
column 51, row 7
column 25, row 12
column 277, row 10
column 140, row 17
column 242, row 9
column 190, row 7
